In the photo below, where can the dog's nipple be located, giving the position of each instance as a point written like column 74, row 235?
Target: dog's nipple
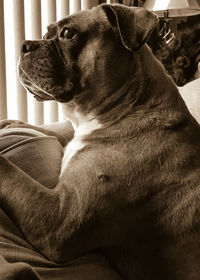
column 103, row 177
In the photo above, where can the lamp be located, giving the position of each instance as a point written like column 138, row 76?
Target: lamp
column 173, row 8
column 168, row 9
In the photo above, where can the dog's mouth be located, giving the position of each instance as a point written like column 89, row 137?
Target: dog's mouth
column 43, row 72
column 44, row 92
column 38, row 93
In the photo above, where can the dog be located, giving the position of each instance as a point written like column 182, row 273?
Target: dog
column 130, row 176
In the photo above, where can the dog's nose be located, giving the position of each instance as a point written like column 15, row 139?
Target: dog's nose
column 28, row 46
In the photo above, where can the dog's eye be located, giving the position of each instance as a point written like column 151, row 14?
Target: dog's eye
column 67, row 33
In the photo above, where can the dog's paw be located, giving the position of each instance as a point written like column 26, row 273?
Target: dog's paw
column 11, row 123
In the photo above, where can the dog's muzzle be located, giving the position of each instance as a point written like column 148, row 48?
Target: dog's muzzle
column 42, row 71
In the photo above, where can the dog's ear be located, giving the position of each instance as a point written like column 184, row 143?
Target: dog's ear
column 133, row 24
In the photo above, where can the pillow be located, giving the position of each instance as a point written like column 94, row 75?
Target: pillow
column 35, row 153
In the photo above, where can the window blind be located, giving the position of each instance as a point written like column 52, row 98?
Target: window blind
column 27, row 19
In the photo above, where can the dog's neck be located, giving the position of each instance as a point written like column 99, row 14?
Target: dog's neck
column 133, row 98
column 83, row 124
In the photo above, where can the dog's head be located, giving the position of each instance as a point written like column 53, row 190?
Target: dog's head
column 85, row 53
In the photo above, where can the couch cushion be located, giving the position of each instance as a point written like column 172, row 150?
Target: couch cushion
column 35, row 153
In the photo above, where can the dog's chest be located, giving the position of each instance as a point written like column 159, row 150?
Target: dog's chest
column 78, row 142
column 75, row 145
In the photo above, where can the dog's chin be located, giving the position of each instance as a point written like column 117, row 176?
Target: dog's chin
column 39, row 95
column 42, row 99
column 58, row 95
column 64, row 98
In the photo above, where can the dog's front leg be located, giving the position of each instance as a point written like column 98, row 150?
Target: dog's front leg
column 62, row 223
column 26, row 202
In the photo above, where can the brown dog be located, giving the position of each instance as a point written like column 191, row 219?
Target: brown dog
column 130, row 180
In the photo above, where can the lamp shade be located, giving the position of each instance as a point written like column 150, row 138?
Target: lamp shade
column 175, row 8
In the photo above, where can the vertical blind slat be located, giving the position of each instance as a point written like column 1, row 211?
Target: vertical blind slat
column 62, row 8
column 52, row 107
column 3, row 99
column 19, row 35
column 74, row 6
column 114, row 1
column 88, row 4
column 36, row 115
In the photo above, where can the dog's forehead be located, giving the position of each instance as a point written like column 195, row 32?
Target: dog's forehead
column 82, row 20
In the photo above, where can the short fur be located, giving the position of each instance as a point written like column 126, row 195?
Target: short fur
column 133, row 190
